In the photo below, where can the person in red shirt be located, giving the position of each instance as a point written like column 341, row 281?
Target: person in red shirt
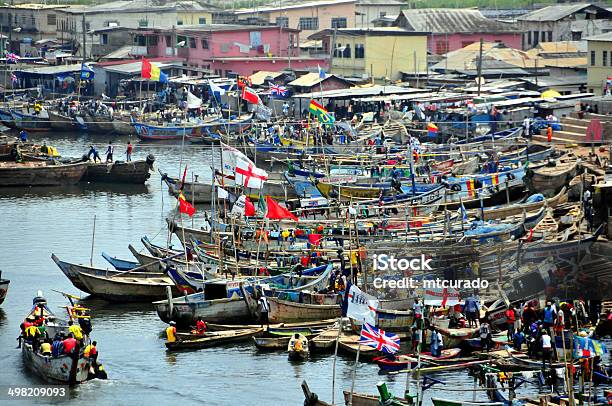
column 69, row 344
column 200, row 326
column 510, row 319
column 128, row 152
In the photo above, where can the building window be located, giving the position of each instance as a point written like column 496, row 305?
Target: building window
column 550, row 36
column 202, row 21
column 383, row 14
column 51, row 19
column 339, row 22
column 309, row 23
column 192, row 42
column 282, row 22
column 528, row 37
column 592, row 58
column 536, row 38
column 604, row 58
column 104, row 39
column 143, row 23
column 338, row 51
column 441, row 46
column 179, row 22
column 168, row 40
column 543, row 33
column 359, row 51
column 204, row 43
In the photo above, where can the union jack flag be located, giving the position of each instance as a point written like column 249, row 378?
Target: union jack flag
column 278, row 90
column 12, row 57
column 376, row 338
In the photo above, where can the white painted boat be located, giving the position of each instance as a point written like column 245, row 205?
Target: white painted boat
column 56, row 369
column 126, row 288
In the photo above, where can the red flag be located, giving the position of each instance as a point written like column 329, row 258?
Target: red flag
column 277, row 212
column 249, row 95
column 146, row 69
column 185, row 207
column 249, row 208
column 184, row 176
column 315, row 239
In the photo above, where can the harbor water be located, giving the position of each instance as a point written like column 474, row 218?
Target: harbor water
column 38, row 222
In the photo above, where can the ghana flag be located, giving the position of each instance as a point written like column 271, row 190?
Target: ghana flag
column 320, row 113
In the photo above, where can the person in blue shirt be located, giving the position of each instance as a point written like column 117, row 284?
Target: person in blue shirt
column 471, row 310
column 23, row 136
column 93, row 152
column 395, row 179
column 550, row 315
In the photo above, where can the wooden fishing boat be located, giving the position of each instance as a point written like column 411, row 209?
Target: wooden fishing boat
column 506, row 211
column 550, row 179
column 42, row 173
column 452, row 337
column 126, row 288
column 580, row 183
column 409, row 361
column 120, row 264
column 65, row 369
column 151, row 263
column 537, row 250
column 362, row 399
column 319, row 324
column 122, row 126
column 297, row 352
column 213, row 340
column 271, row 343
column 65, row 267
column 150, row 132
column 219, row 301
column 4, row 285
column 453, row 402
column 61, row 122
column 349, row 344
column 325, row 341
column 282, row 311
column 31, row 122
column 134, row 172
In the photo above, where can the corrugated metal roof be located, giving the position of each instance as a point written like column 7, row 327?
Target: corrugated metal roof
column 561, row 47
column 607, row 37
column 312, row 79
column 51, row 69
column 359, row 92
column 494, row 56
column 558, row 12
column 259, row 78
column 448, row 20
column 565, row 62
column 293, row 5
column 134, row 67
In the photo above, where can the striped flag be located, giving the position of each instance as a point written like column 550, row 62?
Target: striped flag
column 470, row 187
column 376, row 338
column 320, row 113
column 495, row 179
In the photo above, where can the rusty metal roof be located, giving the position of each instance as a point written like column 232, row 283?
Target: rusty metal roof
column 448, row 20
column 560, row 11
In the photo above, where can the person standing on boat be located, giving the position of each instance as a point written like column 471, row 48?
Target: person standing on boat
column 527, row 127
column 93, row 152
column 128, row 152
column 550, row 315
column 510, row 319
column 23, row 136
column 485, row 334
column 417, row 331
column 471, row 309
column 171, row 332
column 109, row 152
column 546, row 348
column 436, row 343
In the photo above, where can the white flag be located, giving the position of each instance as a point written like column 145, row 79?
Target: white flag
column 221, row 193
column 441, row 297
column 238, row 208
column 216, row 88
column 248, row 175
column 193, row 102
column 361, row 306
column 230, row 155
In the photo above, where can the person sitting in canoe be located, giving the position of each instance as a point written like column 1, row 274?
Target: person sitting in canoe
column 296, row 343
column 171, row 332
column 200, row 327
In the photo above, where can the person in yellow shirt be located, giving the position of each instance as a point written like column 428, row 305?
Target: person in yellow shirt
column 45, row 348
column 76, row 330
column 171, row 332
column 91, row 351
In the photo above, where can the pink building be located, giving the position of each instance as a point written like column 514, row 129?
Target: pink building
column 227, row 49
column 452, row 29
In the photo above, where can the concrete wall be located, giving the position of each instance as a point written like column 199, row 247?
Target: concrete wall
column 597, row 74
column 193, row 17
column 324, row 13
column 366, row 13
column 440, row 43
column 385, row 56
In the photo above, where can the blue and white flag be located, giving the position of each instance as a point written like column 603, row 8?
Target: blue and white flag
column 322, row 73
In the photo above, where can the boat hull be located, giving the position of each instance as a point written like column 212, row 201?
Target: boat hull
column 135, row 172
column 126, row 288
column 214, row 311
column 282, row 311
column 40, row 174
column 55, row 369
column 4, row 285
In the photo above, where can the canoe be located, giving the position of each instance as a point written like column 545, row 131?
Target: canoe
column 41, row 173
column 282, row 311
column 310, row 324
column 506, row 211
column 31, row 122
column 349, row 344
column 301, row 354
column 134, row 172
column 61, row 122
column 126, row 288
column 120, row 264
column 271, row 343
column 227, row 337
column 453, row 402
column 409, row 361
column 149, row 132
column 452, row 337
column 550, row 179
column 4, row 285
column 325, row 341
column 65, row 267
column 362, row 399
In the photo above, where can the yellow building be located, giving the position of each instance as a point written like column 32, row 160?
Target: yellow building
column 380, row 53
column 599, row 62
